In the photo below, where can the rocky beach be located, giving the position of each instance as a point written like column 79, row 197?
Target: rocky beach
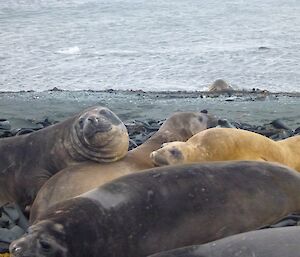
column 275, row 115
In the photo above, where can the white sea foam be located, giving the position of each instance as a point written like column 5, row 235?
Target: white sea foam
column 70, row 50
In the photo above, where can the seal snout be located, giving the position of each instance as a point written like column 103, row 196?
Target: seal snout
column 17, row 250
column 100, row 124
column 158, row 159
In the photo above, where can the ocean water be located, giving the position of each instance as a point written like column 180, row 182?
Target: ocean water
column 149, row 45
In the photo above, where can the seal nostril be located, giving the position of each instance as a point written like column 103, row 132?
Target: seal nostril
column 15, row 249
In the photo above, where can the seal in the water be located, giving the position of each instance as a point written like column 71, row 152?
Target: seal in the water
column 76, row 180
column 276, row 242
column 164, row 208
column 28, row 161
column 221, row 144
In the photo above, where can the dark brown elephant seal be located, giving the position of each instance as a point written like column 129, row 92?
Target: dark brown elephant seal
column 164, row 208
column 76, row 180
column 28, row 161
column 275, row 242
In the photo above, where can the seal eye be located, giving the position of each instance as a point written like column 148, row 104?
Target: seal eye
column 176, row 153
column 81, row 121
column 104, row 112
column 46, row 247
column 110, row 116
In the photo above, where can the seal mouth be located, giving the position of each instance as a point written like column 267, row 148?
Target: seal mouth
column 100, row 124
column 158, row 160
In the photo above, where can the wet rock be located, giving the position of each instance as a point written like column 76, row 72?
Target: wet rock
column 225, row 123
column 290, row 220
column 13, row 225
column 139, row 131
column 5, row 124
column 55, row 89
column 279, row 124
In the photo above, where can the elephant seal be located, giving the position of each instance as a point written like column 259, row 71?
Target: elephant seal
column 275, row 242
column 164, row 208
column 79, row 179
column 28, row 161
column 220, row 85
column 221, row 144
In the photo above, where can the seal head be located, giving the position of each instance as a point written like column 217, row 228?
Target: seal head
column 173, row 153
column 99, row 135
column 46, row 239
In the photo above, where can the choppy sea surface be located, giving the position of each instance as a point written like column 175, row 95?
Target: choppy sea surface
column 149, row 45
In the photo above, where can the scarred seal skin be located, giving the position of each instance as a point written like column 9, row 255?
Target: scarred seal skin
column 28, row 161
column 164, row 208
column 79, row 179
column 221, row 144
column 275, row 242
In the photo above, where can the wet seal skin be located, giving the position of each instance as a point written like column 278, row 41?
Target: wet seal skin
column 221, row 144
column 79, row 179
column 275, row 242
column 28, row 161
column 164, row 208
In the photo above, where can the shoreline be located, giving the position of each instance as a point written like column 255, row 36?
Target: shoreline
column 177, row 93
column 24, row 109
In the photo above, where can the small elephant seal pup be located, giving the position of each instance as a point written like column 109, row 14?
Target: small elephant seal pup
column 28, row 161
column 274, row 242
column 79, row 179
column 164, row 208
column 221, row 144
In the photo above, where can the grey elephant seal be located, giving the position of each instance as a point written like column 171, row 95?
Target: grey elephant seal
column 79, row 179
column 28, row 161
column 275, row 242
column 164, row 208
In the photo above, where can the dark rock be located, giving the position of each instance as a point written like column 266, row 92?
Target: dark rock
column 21, row 131
column 5, row 124
column 279, row 124
column 55, row 89
column 225, row 123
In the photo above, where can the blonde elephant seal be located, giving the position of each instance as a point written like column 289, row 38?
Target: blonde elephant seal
column 79, row 179
column 221, row 144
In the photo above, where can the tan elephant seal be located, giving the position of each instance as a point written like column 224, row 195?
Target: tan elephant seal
column 221, row 144
column 28, row 161
column 220, row 86
column 164, row 208
column 76, row 180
